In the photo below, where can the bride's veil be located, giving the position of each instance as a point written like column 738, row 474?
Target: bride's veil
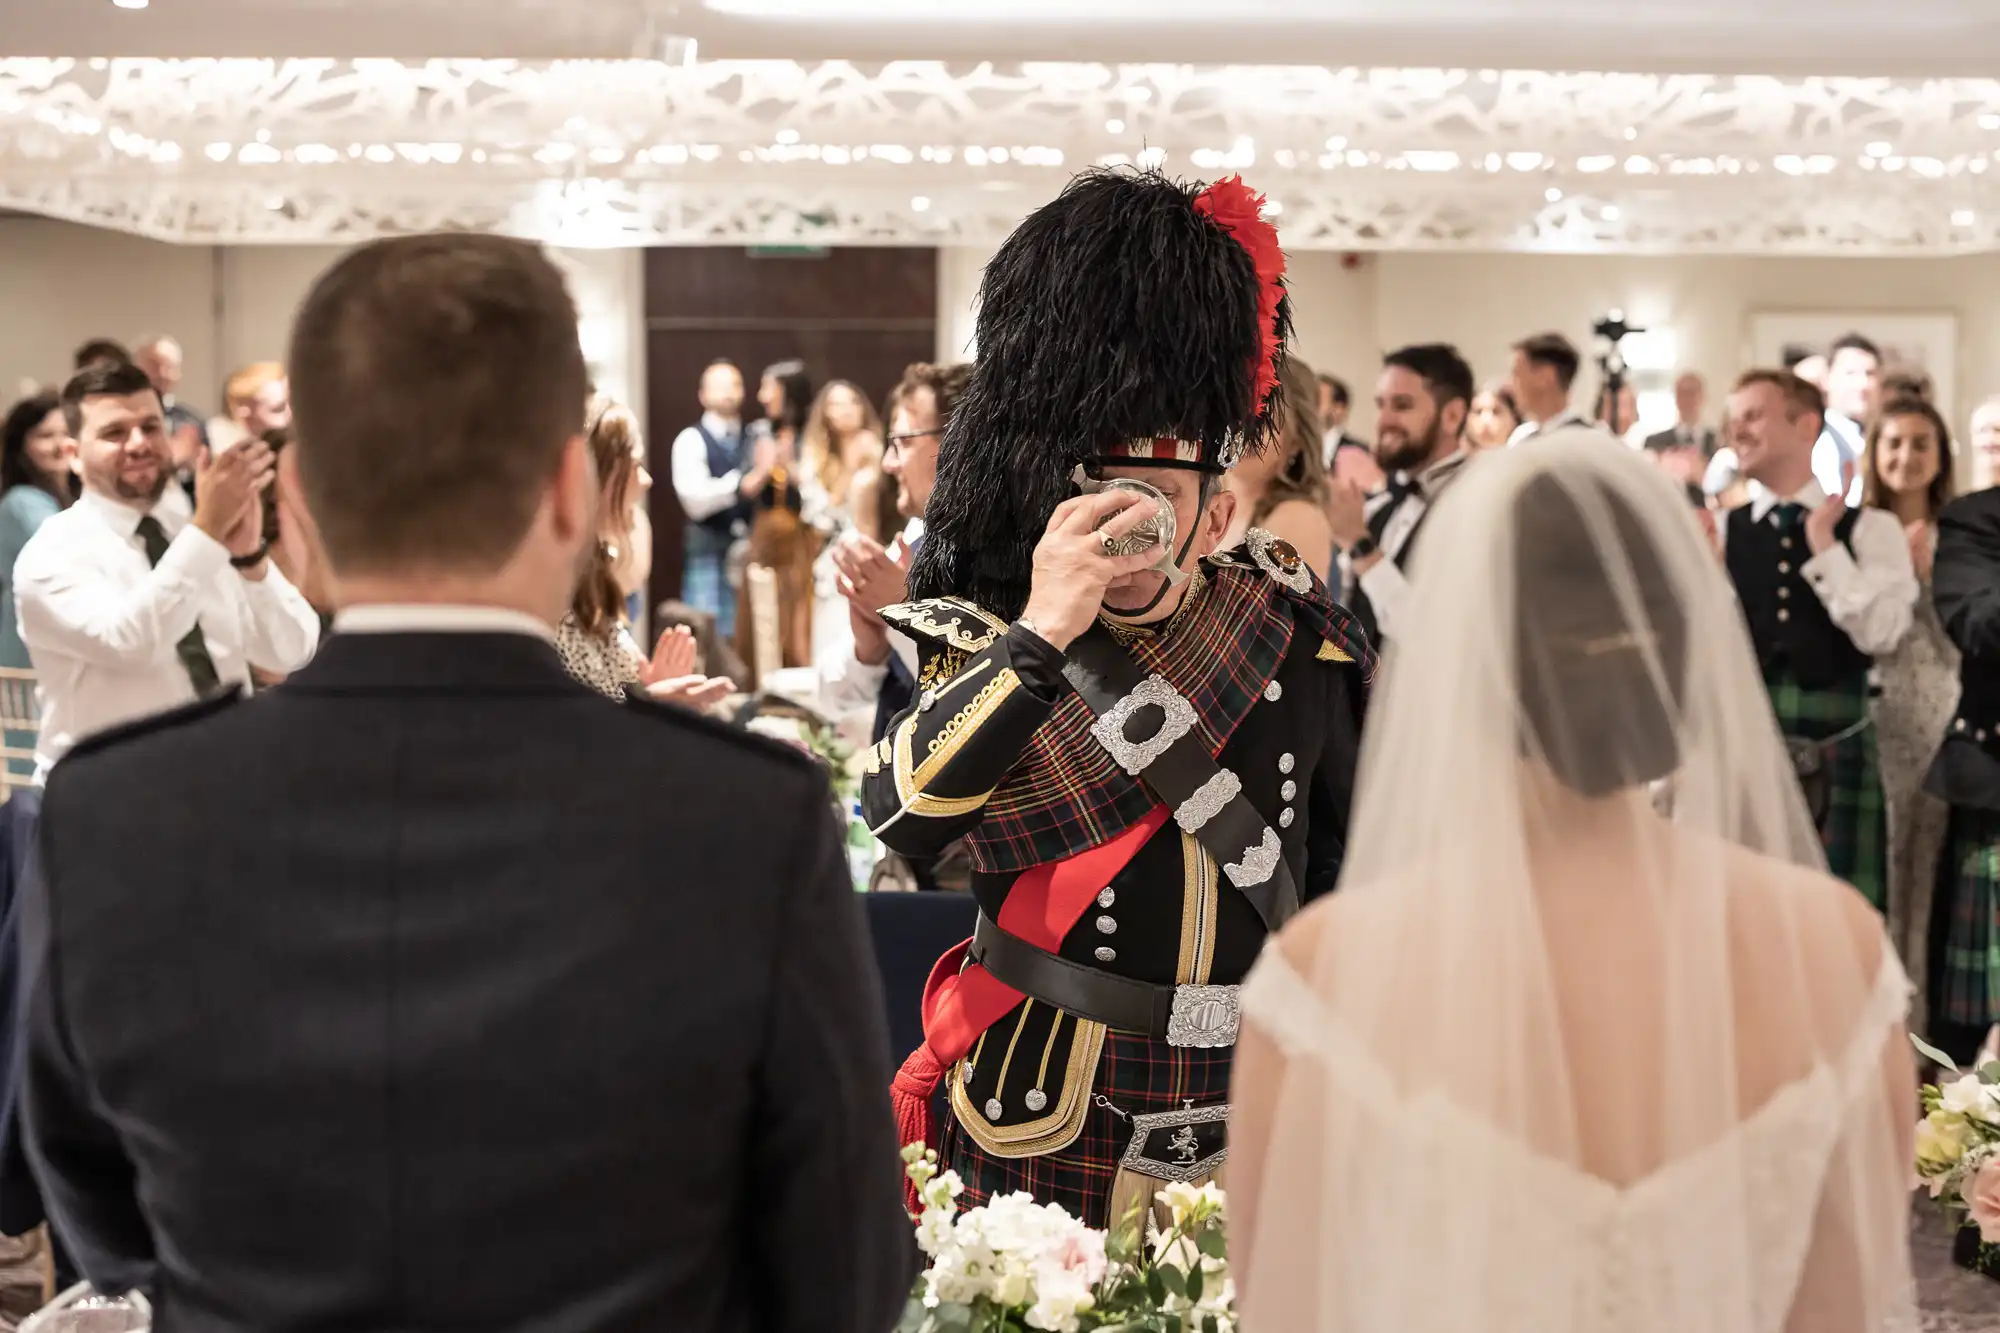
column 1547, row 1055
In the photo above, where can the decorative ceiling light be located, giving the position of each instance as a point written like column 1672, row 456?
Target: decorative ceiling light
column 1611, row 213
column 130, row 4
column 920, row 204
column 1990, row 121
column 1963, row 217
column 1114, row 126
column 1590, row 166
column 1553, row 195
column 1272, row 208
column 1879, row 149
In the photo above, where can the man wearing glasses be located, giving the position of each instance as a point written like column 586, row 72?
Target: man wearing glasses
column 878, row 671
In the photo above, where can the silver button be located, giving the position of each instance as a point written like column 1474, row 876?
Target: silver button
column 1107, row 954
column 1959, row 725
column 1785, row 542
column 993, row 1108
column 1036, row 1099
column 1783, row 614
column 1106, row 896
column 927, row 702
column 968, row 1069
column 1286, row 763
column 1783, row 593
column 1980, row 735
column 1107, row 925
column 1285, row 817
column 1274, row 691
column 1289, row 791
column 1784, row 567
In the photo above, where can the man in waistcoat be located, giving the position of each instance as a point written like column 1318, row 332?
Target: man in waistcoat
column 709, row 468
column 1825, row 589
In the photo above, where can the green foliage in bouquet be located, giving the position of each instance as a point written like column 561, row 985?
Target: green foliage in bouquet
column 1015, row 1266
column 1958, row 1155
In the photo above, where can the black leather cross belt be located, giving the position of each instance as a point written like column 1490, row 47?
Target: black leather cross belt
column 1200, row 1016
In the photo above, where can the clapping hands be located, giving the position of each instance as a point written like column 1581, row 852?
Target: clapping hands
column 671, row 678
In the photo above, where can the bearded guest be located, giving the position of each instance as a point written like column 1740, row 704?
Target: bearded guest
column 126, row 609
column 1146, row 741
column 1985, row 464
column 1420, row 408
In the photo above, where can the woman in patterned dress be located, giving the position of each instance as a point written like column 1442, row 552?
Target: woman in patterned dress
column 1907, row 471
column 595, row 639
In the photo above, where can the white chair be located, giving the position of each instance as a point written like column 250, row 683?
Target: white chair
column 82, row 1310
column 20, row 723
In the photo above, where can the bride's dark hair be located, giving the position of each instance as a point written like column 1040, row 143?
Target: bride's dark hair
column 1601, row 644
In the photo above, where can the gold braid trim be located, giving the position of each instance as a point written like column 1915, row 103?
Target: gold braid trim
column 942, row 748
column 1064, row 1122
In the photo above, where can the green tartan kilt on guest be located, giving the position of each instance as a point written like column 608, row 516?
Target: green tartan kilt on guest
column 1137, row 1075
column 1855, row 830
column 1968, row 977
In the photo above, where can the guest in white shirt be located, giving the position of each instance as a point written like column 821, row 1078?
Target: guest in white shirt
column 1420, row 410
column 1825, row 591
column 127, row 608
column 714, row 480
column 1853, row 393
column 856, row 670
column 1545, row 368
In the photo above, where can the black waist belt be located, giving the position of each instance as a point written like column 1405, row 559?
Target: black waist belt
column 1203, row 1016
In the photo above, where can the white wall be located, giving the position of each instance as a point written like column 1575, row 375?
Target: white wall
column 61, row 283
column 1347, row 316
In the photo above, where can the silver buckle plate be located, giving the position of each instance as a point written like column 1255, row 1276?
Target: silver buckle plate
column 1134, row 756
column 1184, row 1145
column 1204, row 1017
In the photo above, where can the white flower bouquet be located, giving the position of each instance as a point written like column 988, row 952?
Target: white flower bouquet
column 1958, row 1151
column 1014, row 1265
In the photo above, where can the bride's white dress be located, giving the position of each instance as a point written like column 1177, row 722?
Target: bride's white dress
column 1667, row 1254
column 1548, row 1061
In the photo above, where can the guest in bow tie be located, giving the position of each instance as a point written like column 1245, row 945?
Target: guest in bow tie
column 1826, row 590
column 1420, row 409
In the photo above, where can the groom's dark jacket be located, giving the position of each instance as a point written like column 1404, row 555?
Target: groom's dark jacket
column 432, row 991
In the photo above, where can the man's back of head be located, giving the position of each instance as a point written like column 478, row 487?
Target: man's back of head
column 438, row 389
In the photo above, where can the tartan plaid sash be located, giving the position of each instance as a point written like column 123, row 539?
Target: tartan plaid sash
column 1067, row 795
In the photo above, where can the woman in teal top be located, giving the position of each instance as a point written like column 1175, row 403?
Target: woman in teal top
column 34, row 483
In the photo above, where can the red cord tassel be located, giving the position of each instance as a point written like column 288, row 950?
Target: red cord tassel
column 910, row 1092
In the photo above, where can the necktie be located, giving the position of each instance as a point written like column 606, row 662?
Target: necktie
column 1791, row 517
column 192, row 649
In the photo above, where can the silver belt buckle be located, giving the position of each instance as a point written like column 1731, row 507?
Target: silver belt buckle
column 1205, row 1017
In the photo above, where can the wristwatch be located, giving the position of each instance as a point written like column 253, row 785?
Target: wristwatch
column 1362, row 549
column 252, row 560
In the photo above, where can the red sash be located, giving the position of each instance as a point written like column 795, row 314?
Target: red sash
column 961, row 1002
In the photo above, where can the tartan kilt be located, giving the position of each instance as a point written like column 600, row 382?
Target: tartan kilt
column 705, row 579
column 1969, row 974
column 1136, row 1074
column 1855, row 832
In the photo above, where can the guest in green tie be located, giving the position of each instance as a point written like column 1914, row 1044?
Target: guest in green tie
column 1826, row 590
column 127, row 608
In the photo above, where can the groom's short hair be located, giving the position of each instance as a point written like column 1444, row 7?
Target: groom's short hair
column 436, row 381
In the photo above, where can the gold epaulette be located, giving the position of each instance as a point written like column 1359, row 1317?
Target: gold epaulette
column 947, row 622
